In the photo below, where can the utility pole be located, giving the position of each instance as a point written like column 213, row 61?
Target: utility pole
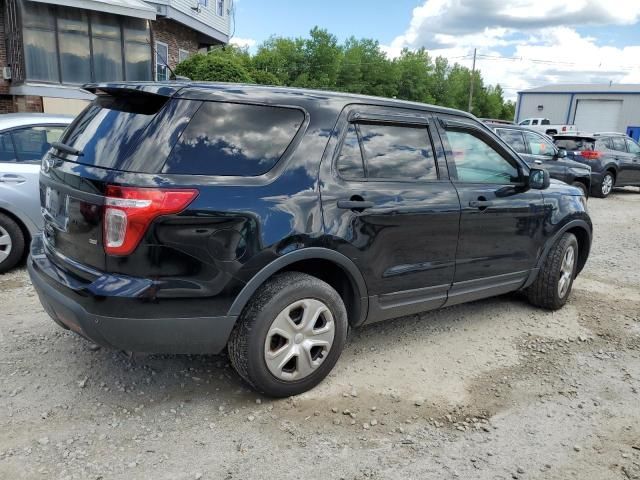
column 473, row 73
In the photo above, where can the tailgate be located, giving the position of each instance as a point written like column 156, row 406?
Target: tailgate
column 120, row 131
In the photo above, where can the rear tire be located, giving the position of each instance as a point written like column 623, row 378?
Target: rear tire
column 290, row 335
column 12, row 243
column 552, row 287
column 606, row 186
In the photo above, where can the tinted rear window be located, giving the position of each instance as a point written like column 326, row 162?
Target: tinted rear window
column 575, row 143
column 106, row 131
column 234, row 139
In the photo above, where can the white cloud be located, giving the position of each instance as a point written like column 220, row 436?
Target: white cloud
column 243, row 42
column 540, row 32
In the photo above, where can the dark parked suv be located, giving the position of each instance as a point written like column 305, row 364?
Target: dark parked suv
column 614, row 159
column 538, row 149
column 191, row 218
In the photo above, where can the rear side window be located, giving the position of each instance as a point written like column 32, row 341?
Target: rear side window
column 546, row 121
column 397, row 152
column 234, row 140
column 350, row 163
column 391, row 152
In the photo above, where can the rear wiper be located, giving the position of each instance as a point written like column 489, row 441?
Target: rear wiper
column 63, row 147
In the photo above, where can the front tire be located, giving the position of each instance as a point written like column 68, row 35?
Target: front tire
column 290, row 335
column 552, row 287
column 12, row 243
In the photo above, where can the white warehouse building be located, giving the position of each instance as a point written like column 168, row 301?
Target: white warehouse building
column 591, row 107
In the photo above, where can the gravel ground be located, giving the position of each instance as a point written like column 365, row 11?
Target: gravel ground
column 490, row 390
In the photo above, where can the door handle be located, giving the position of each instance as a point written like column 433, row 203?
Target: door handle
column 481, row 203
column 358, row 205
column 11, row 178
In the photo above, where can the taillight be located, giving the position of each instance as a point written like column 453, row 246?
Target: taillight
column 129, row 211
column 564, row 129
column 591, row 154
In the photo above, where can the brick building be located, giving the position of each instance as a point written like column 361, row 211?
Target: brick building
column 50, row 48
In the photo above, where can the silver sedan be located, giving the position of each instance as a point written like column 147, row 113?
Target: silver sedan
column 24, row 139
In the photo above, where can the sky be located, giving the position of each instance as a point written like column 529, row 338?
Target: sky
column 520, row 43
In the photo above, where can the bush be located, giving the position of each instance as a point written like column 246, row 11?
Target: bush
column 265, row 78
column 214, row 68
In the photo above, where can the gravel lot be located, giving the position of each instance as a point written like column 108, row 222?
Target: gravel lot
column 490, row 390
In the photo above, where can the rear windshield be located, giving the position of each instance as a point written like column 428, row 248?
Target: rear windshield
column 106, row 131
column 575, row 143
column 231, row 139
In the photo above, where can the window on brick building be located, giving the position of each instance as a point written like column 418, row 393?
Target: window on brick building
column 183, row 55
column 162, row 59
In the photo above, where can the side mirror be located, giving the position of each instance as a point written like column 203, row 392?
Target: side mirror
column 539, row 179
column 562, row 153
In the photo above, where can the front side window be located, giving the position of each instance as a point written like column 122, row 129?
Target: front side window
column 234, row 140
column 538, row 145
column 632, row 146
column 162, row 56
column 534, row 122
column 513, row 138
column 618, row 144
column 33, row 142
column 7, row 152
column 476, row 161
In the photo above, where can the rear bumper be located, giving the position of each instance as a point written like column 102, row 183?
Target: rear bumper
column 67, row 306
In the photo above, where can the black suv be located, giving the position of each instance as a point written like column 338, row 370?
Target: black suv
column 192, row 217
column 614, row 159
column 537, row 149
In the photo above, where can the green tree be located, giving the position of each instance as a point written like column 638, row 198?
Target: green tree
column 415, row 80
column 322, row 60
column 356, row 66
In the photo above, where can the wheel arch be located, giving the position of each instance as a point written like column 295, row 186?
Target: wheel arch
column 328, row 265
column 583, row 232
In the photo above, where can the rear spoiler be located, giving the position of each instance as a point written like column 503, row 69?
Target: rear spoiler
column 128, row 88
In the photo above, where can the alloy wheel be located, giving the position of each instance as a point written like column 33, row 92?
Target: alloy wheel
column 299, row 339
column 6, row 244
column 566, row 271
column 607, row 184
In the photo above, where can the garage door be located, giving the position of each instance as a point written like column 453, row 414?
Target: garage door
column 598, row 115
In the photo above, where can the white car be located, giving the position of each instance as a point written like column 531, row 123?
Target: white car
column 544, row 125
column 24, row 139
